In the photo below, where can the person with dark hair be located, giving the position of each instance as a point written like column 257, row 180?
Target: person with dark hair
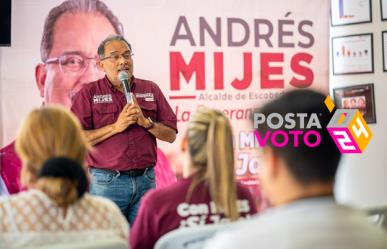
column 209, row 185
column 56, row 207
column 353, row 103
column 123, row 134
column 299, row 180
column 361, row 105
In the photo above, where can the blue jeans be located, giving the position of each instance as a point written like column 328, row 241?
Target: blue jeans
column 125, row 190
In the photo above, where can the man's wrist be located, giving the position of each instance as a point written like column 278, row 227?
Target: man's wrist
column 113, row 128
column 150, row 124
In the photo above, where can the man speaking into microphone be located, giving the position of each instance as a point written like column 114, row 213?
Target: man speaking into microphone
column 122, row 116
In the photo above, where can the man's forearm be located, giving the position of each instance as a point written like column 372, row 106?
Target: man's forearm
column 98, row 135
column 163, row 132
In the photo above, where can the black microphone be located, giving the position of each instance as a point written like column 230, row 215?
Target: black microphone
column 123, row 76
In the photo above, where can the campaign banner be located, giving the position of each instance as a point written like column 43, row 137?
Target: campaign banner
column 230, row 55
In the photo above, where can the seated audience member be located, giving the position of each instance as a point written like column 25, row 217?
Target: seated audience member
column 56, row 207
column 298, row 181
column 208, row 194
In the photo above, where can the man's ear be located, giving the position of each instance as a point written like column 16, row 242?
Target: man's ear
column 272, row 162
column 40, row 77
column 100, row 65
column 184, row 144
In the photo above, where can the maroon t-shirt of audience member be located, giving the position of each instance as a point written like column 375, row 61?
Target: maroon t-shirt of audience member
column 166, row 209
column 99, row 104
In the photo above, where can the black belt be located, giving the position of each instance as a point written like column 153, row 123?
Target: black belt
column 132, row 172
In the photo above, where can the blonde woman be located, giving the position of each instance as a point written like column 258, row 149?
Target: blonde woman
column 56, row 207
column 208, row 194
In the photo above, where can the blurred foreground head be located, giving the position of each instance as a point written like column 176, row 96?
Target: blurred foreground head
column 291, row 172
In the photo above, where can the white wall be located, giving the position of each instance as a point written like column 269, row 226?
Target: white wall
column 362, row 179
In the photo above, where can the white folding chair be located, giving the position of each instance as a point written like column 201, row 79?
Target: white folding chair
column 189, row 238
column 114, row 243
column 378, row 215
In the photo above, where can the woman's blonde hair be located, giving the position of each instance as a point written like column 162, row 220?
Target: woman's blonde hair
column 210, row 144
column 51, row 131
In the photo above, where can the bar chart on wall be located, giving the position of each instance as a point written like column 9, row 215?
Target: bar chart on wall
column 352, row 54
column 346, row 12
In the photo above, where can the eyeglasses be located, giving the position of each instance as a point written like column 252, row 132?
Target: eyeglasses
column 116, row 57
column 72, row 63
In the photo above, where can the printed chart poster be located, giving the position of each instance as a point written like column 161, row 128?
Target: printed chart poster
column 383, row 8
column 230, row 55
column 345, row 12
column 359, row 97
column 384, row 47
column 352, row 54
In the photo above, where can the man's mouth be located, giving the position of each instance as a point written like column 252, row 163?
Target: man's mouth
column 124, row 69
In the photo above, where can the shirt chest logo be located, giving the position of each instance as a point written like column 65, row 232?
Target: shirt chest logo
column 105, row 98
column 146, row 96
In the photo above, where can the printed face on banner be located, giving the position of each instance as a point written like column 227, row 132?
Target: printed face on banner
column 75, row 46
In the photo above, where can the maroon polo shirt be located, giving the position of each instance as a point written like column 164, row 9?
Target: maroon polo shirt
column 166, row 209
column 98, row 104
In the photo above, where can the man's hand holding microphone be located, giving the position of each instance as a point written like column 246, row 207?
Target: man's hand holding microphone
column 132, row 113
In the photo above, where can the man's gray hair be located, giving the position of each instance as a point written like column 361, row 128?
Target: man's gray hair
column 101, row 47
column 73, row 6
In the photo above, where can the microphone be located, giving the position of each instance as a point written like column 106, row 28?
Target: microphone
column 123, row 76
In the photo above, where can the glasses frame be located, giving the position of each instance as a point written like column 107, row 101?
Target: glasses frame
column 57, row 60
column 113, row 59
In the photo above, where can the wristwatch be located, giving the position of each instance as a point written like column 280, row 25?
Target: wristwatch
column 151, row 124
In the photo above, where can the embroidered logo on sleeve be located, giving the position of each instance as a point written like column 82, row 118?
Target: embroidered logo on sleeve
column 147, row 96
column 106, row 98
